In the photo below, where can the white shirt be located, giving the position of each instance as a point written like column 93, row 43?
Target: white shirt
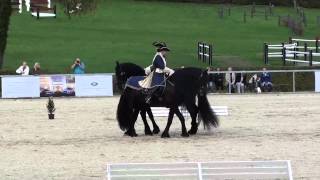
column 22, row 71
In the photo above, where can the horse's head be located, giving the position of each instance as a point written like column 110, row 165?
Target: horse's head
column 203, row 80
column 120, row 76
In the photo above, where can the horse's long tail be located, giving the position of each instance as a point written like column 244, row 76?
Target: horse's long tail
column 123, row 112
column 206, row 115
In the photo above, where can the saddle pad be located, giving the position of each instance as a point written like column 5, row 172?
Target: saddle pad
column 133, row 82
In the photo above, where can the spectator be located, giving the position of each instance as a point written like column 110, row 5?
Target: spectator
column 218, row 80
column 78, row 67
column 230, row 80
column 210, row 79
column 36, row 69
column 265, row 80
column 23, row 69
column 239, row 83
column 254, row 84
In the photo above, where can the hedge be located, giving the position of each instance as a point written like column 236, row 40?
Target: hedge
column 303, row 3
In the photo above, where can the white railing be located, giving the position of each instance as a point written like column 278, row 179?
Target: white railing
column 280, row 169
column 163, row 112
column 293, row 72
column 309, row 48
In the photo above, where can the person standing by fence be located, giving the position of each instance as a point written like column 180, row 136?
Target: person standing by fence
column 265, row 79
column 239, row 83
column 23, row 69
column 218, row 80
column 36, row 69
column 78, row 67
column 230, row 80
column 210, row 79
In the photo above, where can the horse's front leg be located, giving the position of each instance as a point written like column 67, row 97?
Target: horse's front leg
column 165, row 133
column 147, row 130
column 131, row 131
column 156, row 128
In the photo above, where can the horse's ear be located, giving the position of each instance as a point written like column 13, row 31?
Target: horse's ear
column 117, row 63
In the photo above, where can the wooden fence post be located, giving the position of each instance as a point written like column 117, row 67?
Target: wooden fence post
column 245, row 17
column 305, row 50
column 265, row 13
column 310, row 57
column 317, row 44
column 210, row 54
column 38, row 13
column 266, row 51
column 284, row 56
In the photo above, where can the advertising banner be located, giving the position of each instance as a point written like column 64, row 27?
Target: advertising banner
column 57, row 85
column 317, row 81
column 20, row 87
column 94, row 85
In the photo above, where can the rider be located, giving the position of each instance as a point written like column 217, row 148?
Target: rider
column 156, row 72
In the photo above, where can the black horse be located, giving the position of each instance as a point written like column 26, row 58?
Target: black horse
column 182, row 89
column 125, row 71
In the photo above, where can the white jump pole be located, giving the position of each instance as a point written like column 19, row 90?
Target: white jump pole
column 28, row 5
column 49, row 3
column 20, row 6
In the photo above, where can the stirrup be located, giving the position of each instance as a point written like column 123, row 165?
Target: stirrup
column 148, row 99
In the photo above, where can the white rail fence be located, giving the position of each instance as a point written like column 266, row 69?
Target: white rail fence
column 293, row 72
column 163, row 112
column 205, row 52
column 277, row 170
column 292, row 51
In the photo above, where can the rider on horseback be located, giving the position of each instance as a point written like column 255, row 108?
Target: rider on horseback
column 156, row 72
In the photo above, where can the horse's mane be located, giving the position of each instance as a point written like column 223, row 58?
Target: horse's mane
column 132, row 69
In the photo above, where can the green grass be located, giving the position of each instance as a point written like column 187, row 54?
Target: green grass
column 124, row 30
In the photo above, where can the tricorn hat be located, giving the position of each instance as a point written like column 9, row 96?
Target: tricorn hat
column 159, row 44
column 164, row 48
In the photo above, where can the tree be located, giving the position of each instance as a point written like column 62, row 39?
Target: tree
column 77, row 6
column 5, row 13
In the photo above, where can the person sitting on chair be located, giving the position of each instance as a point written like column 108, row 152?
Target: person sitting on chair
column 158, row 69
column 265, row 80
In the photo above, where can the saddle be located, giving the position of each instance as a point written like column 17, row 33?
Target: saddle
column 143, row 84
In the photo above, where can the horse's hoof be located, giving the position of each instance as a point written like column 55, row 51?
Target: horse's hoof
column 148, row 132
column 131, row 134
column 126, row 133
column 165, row 135
column 193, row 131
column 185, row 134
column 156, row 130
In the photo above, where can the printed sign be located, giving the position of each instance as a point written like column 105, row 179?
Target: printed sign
column 317, row 81
column 20, row 87
column 57, row 85
column 94, row 85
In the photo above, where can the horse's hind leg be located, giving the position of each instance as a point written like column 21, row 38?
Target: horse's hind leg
column 165, row 133
column 156, row 129
column 182, row 120
column 147, row 130
column 193, row 110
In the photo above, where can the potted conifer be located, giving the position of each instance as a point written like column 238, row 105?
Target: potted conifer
column 51, row 108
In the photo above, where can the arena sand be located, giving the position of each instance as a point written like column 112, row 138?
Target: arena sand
column 85, row 136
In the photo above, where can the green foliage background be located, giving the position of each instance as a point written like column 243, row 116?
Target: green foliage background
column 124, row 30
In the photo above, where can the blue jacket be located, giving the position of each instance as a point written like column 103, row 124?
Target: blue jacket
column 158, row 77
column 158, row 62
column 79, row 69
column 265, row 77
